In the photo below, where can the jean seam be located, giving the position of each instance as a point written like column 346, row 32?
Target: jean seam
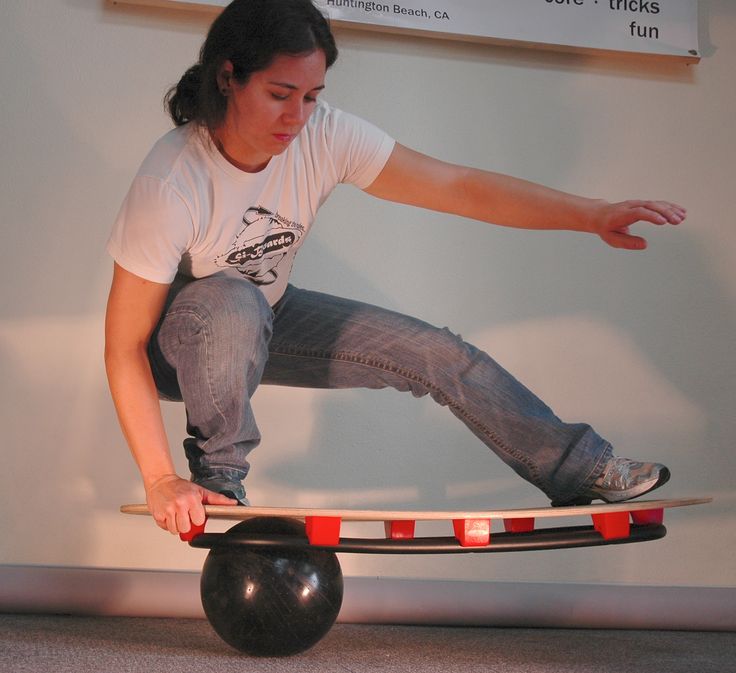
column 344, row 356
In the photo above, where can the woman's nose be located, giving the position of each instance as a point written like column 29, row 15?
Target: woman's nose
column 294, row 113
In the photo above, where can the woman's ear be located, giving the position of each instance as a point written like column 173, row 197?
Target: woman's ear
column 225, row 78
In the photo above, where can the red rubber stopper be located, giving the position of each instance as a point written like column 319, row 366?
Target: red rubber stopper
column 518, row 525
column 323, row 530
column 399, row 530
column 612, row 526
column 194, row 531
column 472, row 532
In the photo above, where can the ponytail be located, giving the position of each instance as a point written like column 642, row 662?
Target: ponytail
column 182, row 100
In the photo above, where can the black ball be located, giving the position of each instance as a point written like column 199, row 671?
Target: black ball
column 271, row 601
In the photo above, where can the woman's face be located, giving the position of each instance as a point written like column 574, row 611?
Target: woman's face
column 265, row 114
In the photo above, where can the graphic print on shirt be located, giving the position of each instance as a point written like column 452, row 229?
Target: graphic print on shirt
column 261, row 245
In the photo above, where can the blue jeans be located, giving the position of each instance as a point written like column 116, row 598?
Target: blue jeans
column 218, row 340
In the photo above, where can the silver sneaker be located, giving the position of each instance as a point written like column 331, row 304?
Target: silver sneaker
column 242, row 500
column 622, row 479
column 225, row 486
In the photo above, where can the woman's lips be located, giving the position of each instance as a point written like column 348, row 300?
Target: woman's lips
column 283, row 137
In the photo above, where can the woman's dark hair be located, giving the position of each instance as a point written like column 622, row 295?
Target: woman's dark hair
column 250, row 34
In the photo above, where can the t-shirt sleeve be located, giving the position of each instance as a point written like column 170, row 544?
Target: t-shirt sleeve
column 152, row 231
column 359, row 149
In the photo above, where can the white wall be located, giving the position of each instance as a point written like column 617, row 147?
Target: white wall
column 639, row 344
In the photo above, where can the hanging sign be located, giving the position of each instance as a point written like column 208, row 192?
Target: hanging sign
column 654, row 27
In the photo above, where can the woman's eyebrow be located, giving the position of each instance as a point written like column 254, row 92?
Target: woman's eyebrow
column 293, row 87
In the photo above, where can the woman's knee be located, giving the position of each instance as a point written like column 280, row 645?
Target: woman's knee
column 224, row 306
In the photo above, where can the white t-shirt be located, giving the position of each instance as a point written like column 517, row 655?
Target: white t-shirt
column 190, row 210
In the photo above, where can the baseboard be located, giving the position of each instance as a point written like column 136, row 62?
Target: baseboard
column 141, row 593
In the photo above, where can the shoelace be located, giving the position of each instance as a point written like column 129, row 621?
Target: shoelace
column 618, row 474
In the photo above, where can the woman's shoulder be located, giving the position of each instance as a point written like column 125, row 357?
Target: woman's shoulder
column 328, row 121
column 327, row 114
column 177, row 146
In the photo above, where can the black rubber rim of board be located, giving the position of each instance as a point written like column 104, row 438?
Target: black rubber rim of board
column 545, row 538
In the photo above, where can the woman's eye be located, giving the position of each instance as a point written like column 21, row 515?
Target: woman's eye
column 309, row 99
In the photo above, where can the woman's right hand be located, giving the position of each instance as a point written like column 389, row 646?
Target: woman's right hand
column 177, row 503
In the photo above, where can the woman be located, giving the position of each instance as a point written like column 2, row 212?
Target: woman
column 200, row 308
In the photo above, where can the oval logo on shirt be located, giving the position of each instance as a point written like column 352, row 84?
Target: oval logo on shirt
column 261, row 245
